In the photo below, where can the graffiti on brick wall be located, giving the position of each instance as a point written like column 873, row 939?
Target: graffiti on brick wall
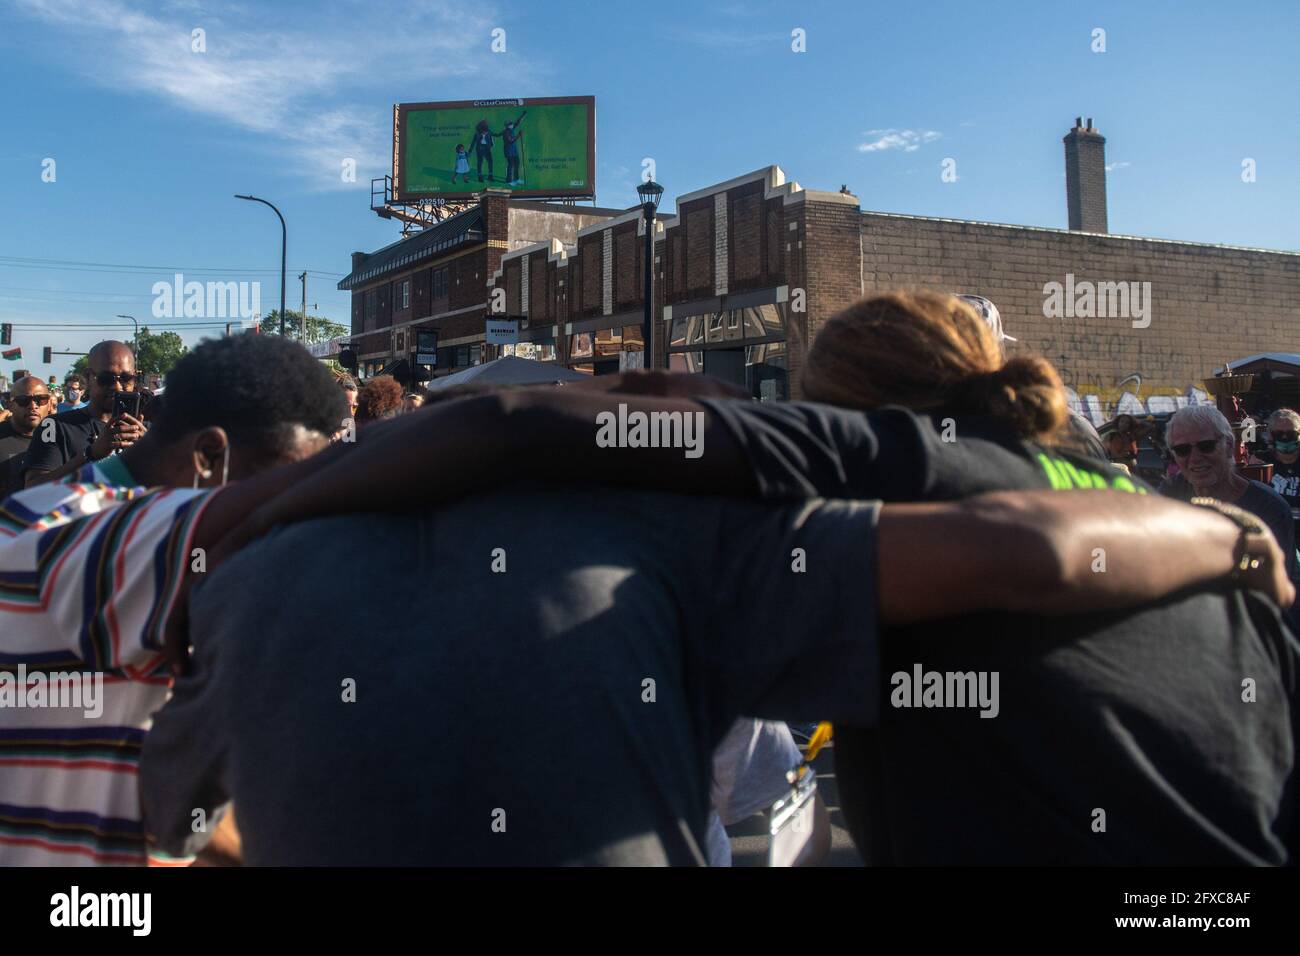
column 1099, row 404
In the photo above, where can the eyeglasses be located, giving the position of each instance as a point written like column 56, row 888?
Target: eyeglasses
column 1204, row 447
column 1284, row 436
column 26, row 401
column 107, row 379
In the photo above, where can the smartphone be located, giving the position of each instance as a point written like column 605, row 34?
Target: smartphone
column 127, row 403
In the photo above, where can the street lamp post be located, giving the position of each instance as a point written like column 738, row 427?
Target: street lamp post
column 650, row 192
column 135, row 342
column 284, row 241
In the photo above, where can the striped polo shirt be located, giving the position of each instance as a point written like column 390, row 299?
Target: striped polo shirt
column 89, row 571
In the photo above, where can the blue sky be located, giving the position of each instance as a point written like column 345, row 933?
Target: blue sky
column 151, row 140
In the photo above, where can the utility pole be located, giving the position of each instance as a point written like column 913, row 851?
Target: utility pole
column 302, row 329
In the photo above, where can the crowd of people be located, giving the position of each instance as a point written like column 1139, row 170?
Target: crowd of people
column 299, row 597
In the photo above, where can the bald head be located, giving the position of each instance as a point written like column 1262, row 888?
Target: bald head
column 109, row 351
column 30, row 402
column 114, row 358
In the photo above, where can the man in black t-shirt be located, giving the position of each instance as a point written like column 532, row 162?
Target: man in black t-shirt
column 89, row 433
column 30, row 403
column 1162, row 736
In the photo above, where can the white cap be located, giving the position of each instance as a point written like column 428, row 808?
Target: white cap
column 989, row 313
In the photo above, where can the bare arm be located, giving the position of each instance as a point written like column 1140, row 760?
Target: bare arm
column 458, row 447
column 1151, row 546
column 1040, row 552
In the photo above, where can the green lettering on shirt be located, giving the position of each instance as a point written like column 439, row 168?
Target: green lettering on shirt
column 1064, row 476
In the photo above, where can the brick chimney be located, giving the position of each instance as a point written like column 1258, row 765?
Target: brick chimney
column 1085, row 177
column 496, row 214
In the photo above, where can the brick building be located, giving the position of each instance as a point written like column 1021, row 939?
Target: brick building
column 747, row 271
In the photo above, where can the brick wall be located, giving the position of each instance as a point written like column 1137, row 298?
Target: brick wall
column 1209, row 304
column 540, row 279
column 746, row 237
column 829, row 227
column 589, row 263
column 628, row 252
column 514, row 287
column 697, row 225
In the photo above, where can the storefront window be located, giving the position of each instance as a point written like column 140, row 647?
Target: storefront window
column 692, row 362
column 580, row 345
column 609, row 342
column 764, row 320
column 688, row 331
column 542, row 350
column 733, row 325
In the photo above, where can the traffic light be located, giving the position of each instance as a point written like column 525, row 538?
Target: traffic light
column 46, row 357
column 6, row 334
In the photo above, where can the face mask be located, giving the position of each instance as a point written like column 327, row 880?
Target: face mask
column 1286, row 447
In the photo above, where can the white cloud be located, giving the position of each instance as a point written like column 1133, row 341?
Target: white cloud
column 1111, row 167
column 316, row 87
column 908, row 140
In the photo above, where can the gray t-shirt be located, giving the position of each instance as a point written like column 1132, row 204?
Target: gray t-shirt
column 539, row 677
column 749, row 768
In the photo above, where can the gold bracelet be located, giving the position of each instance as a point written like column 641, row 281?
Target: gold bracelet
column 1248, row 524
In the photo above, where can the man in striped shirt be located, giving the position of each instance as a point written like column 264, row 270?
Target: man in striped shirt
column 93, row 572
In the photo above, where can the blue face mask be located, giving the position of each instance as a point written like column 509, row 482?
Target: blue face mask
column 1286, row 447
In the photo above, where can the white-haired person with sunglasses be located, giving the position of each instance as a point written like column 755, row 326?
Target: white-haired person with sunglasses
column 1202, row 443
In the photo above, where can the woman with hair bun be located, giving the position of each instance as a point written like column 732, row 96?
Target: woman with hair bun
column 932, row 353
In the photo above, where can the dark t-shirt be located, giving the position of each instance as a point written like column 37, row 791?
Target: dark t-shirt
column 1286, row 479
column 1260, row 500
column 73, row 431
column 573, row 696
column 13, row 451
column 1138, row 714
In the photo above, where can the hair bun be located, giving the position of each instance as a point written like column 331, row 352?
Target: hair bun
column 1025, row 391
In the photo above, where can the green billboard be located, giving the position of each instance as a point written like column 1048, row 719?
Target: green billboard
column 539, row 147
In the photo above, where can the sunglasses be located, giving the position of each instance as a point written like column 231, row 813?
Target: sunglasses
column 1284, row 436
column 1204, row 447
column 107, row 379
column 26, row 401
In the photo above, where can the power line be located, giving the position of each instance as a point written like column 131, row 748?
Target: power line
column 21, row 288
column 87, row 266
column 55, row 326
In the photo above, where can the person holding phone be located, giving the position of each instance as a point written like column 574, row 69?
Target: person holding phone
column 103, row 427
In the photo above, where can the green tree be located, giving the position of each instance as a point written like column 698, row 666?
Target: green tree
column 81, row 367
column 319, row 328
column 156, row 354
